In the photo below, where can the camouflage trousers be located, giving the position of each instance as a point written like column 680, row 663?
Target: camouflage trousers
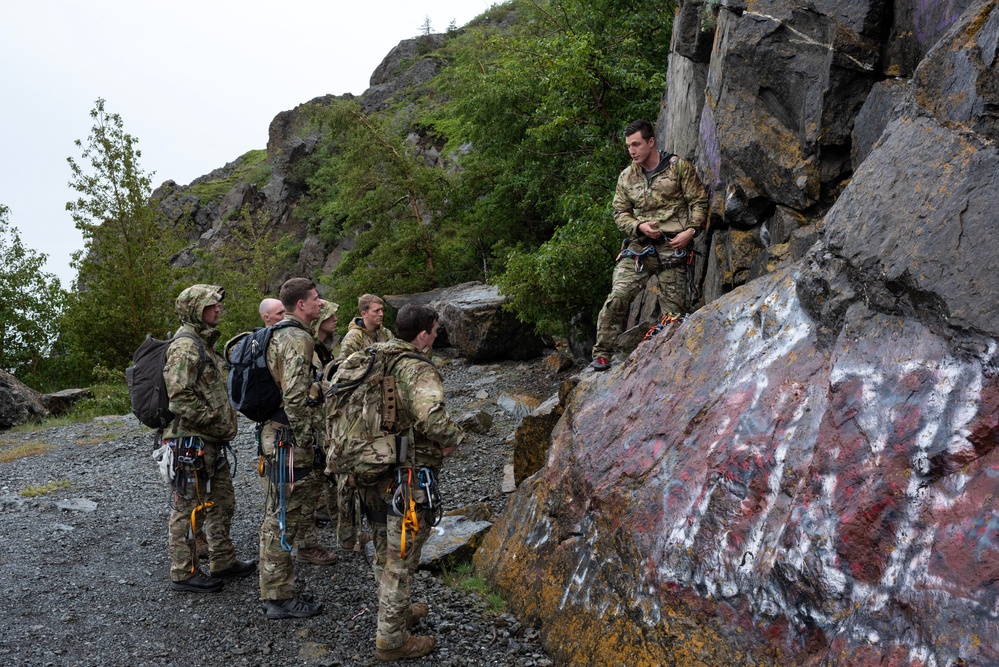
column 310, row 492
column 348, row 517
column 393, row 573
column 627, row 283
column 285, row 505
column 215, row 519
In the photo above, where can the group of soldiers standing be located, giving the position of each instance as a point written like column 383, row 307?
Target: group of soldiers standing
column 659, row 203
column 293, row 448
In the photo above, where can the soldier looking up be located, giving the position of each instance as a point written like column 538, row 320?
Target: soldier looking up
column 204, row 424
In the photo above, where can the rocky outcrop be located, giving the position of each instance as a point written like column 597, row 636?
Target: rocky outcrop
column 778, row 103
column 19, row 403
column 804, row 472
column 61, row 402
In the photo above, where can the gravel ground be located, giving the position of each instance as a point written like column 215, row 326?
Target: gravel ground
column 86, row 564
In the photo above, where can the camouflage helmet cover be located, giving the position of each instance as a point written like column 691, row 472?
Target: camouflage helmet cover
column 192, row 302
column 327, row 310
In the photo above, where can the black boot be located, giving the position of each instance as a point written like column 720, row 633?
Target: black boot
column 296, row 607
column 197, row 583
column 240, row 568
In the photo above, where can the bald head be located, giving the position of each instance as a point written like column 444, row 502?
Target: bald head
column 271, row 311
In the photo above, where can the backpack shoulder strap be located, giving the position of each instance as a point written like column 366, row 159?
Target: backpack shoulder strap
column 398, row 356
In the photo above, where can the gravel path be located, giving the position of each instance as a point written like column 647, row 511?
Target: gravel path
column 86, row 567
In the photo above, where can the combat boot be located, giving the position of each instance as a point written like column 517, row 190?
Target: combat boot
column 297, row 607
column 317, row 556
column 197, row 583
column 241, row 568
column 415, row 647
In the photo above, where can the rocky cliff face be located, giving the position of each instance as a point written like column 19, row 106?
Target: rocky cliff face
column 805, row 471
column 265, row 183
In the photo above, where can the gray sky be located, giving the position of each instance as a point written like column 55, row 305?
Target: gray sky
column 197, row 82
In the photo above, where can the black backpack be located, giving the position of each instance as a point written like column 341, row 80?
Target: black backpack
column 146, row 388
column 252, row 390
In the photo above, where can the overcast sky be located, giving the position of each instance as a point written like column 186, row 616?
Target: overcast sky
column 196, row 82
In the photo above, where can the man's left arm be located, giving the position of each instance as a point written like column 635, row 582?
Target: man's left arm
column 432, row 419
column 694, row 194
column 296, row 353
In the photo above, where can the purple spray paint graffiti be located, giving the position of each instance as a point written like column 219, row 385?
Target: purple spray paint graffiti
column 933, row 17
column 712, row 152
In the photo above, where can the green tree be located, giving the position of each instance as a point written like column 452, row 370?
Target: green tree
column 246, row 266
column 30, row 302
column 543, row 106
column 126, row 284
column 373, row 186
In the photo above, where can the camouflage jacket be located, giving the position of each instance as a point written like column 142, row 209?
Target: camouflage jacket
column 289, row 359
column 359, row 338
column 201, row 403
column 673, row 199
column 420, row 406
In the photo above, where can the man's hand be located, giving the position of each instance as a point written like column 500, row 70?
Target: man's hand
column 681, row 240
column 649, row 231
column 448, row 451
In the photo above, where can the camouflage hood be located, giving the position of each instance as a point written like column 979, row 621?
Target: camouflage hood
column 328, row 310
column 191, row 305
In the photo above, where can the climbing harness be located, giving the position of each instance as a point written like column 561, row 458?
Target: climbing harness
column 628, row 252
column 667, row 319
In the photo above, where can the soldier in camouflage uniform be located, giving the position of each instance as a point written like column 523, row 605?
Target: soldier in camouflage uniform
column 367, row 329
column 316, row 488
column 287, row 441
column 203, row 425
column 421, row 413
column 661, row 205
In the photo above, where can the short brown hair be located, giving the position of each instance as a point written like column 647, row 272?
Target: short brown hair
column 412, row 319
column 365, row 301
column 295, row 290
column 643, row 126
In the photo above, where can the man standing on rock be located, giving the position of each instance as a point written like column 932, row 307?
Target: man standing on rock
column 661, row 205
column 199, row 436
column 420, row 412
column 289, row 443
column 367, row 329
column 271, row 311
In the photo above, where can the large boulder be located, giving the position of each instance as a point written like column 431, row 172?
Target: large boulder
column 804, row 473
column 479, row 327
column 61, row 402
column 19, row 403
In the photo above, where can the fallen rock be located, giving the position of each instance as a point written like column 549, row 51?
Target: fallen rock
column 518, row 405
column 478, row 421
column 478, row 326
column 533, row 438
column 454, row 541
column 61, row 402
column 19, row 403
